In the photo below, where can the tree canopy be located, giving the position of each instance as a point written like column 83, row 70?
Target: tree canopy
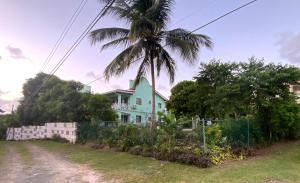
column 60, row 100
column 235, row 90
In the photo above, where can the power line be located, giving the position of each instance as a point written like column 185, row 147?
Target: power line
column 201, row 27
column 82, row 36
column 76, row 43
column 98, row 78
column 63, row 34
column 220, row 17
column 191, row 14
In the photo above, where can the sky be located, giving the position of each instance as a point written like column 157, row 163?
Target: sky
column 268, row 29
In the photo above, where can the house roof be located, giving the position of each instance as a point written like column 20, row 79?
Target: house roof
column 119, row 91
column 131, row 91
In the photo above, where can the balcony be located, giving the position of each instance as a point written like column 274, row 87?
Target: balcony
column 122, row 107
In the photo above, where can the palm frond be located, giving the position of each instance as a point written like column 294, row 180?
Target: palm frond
column 160, row 12
column 124, row 60
column 122, row 41
column 165, row 60
column 108, row 33
column 186, row 43
column 142, row 71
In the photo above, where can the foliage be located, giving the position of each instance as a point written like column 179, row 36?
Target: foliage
column 147, row 21
column 59, row 100
column 237, row 90
column 7, row 120
column 219, row 154
column 236, row 132
column 214, row 135
column 58, row 138
column 181, row 101
column 99, row 108
column 127, row 136
column 169, row 130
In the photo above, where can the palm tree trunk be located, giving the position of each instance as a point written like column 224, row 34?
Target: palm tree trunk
column 153, row 118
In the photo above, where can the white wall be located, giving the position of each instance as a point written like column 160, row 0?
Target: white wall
column 65, row 130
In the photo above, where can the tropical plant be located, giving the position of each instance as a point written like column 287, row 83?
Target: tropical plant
column 147, row 40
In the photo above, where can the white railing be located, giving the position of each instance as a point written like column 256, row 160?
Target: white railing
column 123, row 107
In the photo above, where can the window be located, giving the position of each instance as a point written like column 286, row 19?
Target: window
column 55, row 125
column 124, row 118
column 67, row 132
column 65, row 125
column 138, row 119
column 138, row 101
column 159, row 105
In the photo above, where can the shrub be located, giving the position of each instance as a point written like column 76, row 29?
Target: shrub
column 127, row 136
column 236, row 132
column 58, row 138
column 219, row 154
column 136, row 150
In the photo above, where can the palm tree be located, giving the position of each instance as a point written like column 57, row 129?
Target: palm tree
column 146, row 41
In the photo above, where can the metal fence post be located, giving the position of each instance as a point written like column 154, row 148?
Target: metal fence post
column 203, row 130
column 248, row 133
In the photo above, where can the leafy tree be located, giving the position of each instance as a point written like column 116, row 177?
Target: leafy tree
column 99, row 108
column 145, row 38
column 181, row 98
column 238, row 90
column 60, row 100
column 5, row 121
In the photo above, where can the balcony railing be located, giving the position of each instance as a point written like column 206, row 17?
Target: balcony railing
column 123, row 107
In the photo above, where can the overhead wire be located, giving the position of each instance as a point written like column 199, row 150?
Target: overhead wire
column 76, row 43
column 198, row 28
column 63, row 34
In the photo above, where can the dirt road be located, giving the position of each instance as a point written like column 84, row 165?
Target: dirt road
column 45, row 167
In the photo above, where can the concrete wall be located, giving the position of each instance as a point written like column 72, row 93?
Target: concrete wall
column 65, row 130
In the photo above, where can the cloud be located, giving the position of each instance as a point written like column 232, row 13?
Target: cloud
column 289, row 46
column 91, row 74
column 16, row 53
column 6, row 105
column 2, row 92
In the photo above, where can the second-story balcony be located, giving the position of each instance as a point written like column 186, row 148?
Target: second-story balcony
column 121, row 107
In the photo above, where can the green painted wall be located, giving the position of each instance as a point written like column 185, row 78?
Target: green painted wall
column 142, row 91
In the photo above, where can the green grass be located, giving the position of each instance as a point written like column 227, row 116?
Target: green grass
column 2, row 151
column 281, row 165
column 24, row 153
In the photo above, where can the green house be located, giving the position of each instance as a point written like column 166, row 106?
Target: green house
column 134, row 105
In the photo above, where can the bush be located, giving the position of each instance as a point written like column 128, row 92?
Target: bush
column 58, row 138
column 236, row 132
column 127, row 136
column 219, row 154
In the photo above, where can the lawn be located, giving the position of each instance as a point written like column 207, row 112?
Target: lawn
column 24, row 153
column 2, row 151
column 282, row 164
